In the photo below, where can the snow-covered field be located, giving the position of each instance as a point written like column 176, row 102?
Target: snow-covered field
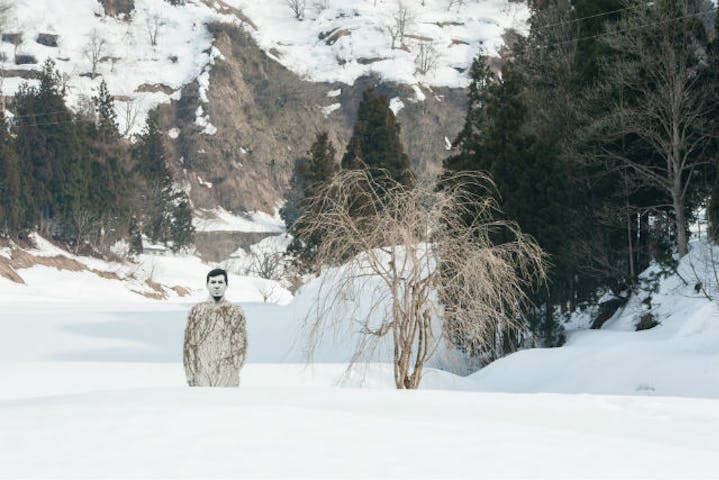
column 93, row 387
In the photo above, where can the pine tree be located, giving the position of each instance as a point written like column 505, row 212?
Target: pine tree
column 182, row 231
column 713, row 78
column 375, row 142
column 135, row 234
column 469, row 138
column 51, row 150
column 106, row 116
column 310, row 174
column 11, row 201
column 152, row 166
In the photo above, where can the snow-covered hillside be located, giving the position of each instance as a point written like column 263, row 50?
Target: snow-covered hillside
column 428, row 42
column 146, row 57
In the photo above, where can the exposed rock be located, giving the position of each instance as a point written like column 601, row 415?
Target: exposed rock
column 47, row 39
column 25, row 59
column 155, row 87
column 14, row 38
column 266, row 116
column 646, row 321
column 25, row 74
column 218, row 246
column 607, row 310
column 116, row 8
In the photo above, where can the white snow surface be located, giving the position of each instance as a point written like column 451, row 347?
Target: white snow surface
column 219, row 219
column 91, row 385
column 141, row 75
column 363, row 46
column 132, row 66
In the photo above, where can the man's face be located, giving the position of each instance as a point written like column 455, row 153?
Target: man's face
column 217, row 286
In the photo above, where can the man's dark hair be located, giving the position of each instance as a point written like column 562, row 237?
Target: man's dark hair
column 216, row 272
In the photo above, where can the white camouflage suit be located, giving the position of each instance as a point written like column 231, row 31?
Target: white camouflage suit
column 215, row 344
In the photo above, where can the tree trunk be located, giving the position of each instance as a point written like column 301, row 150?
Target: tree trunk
column 679, row 220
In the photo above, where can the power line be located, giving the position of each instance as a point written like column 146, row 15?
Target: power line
column 576, row 20
column 588, row 37
column 616, row 32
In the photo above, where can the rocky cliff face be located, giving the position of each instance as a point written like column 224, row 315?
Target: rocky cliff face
column 266, row 116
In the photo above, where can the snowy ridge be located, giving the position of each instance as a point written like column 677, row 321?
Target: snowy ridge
column 342, row 40
column 147, row 57
column 139, row 74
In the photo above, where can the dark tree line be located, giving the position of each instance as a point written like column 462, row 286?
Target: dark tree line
column 601, row 132
column 72, row 177
column 375, row 145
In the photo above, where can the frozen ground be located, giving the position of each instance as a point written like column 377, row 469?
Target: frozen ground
column 92, row 391
column 94, row 387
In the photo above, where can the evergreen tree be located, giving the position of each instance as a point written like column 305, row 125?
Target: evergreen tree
column 182, row 231
column 468, row 140
column 152, row 167
column 50, row 145
column 310, row 174
column 106, row 116
column 375, row 142
column 11, row 201
column 135, row 234
column 713, row 78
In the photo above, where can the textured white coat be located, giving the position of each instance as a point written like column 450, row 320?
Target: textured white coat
column 215, row 344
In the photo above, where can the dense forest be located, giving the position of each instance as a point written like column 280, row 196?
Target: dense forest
column 600, row 131
column 72, row 177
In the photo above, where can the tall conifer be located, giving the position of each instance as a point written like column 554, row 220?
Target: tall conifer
column 375, row 142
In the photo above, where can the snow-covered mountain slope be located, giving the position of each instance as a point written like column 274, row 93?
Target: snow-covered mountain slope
column 148, row 55
column 429, row 42
column 145, row 57
column 242, row 87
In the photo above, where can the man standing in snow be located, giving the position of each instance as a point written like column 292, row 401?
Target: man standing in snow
column 215, row 338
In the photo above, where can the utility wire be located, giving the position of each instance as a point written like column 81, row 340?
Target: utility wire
column 588, row 37
column 616, row 32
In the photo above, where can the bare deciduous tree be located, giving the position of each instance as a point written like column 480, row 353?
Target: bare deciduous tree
column 668, row 103
column 94, row 50
column 153, row 25
column 455, row 3
column 410, row 247
column 426, row 59
column 297, row 7
column 401, row 19
column 130, row 112
column 267, row 265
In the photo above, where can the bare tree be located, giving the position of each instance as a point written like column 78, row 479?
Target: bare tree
column 659, row 97
column 267, row 265
column 130, row 112
column 426, row 59
column 297, row 7
column 401, row 19
column 94, row 50
column 153, row 25
column 455, row 3
column 410, row 247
